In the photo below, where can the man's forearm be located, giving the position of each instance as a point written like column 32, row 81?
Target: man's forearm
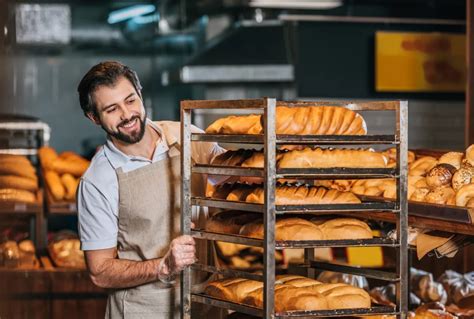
column 123, row 273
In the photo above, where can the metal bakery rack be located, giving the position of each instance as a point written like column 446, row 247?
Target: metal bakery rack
column 270, row 142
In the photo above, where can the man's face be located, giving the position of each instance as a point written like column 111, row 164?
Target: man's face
column 120, row 111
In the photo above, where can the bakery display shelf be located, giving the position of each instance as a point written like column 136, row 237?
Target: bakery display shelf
column 59, row 207
column 385, row 205
column 456, row 214
column 289, row 244
column 19, row 207
column 298, row 139
column 254, row 311
column 396, row 208
column 300, row 173
column 366, row 272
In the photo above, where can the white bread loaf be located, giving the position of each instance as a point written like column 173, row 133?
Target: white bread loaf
column 304, row 195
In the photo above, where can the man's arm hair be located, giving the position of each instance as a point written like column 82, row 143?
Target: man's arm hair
column 107, row 271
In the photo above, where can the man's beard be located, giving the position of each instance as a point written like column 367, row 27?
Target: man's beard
column 129, row 138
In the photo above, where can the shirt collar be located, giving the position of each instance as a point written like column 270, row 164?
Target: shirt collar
column 117, row 158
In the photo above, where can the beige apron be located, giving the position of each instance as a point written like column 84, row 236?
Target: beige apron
column 149, row 218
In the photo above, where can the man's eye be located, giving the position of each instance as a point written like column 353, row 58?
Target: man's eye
column 110, row 110
column 131, row 101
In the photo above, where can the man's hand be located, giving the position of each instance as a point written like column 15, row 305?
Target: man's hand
column 181, row 254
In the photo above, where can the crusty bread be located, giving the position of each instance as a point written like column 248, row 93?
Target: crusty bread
column 67, row 253
column 327, row 158
column 345, row 228
column 285, row 229
column 315, row 120
column 55, row 185
column 18, row 182
column 291, row 293
column 14, row 195
column 18, row 169
column 76, row 168
column 47, row 156
column 70, row 185
column 230, row 222
column 304, row 195
column 464, row 194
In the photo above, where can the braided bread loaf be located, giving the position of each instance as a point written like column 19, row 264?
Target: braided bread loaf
column 312, row 120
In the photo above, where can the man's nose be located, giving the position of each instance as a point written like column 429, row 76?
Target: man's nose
column 125, row 112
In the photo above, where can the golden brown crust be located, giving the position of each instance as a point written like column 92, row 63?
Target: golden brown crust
column 18, row 182
column 229, row 222
column 70, row 184
column 285, row 229
column 318, row 120
column 17, row 195
column 440, row 176
column 345, row 228
column 55, row 185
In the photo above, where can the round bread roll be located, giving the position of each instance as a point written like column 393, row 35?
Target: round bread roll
column 440, row 195
column 440, row 176
column 462, row 177
column 452, row 158
column 464, row 195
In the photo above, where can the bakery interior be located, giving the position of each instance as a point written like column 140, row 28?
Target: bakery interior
column 407, row 256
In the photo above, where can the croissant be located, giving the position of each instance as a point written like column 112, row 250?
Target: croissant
column 314, row 120
column 304, row 195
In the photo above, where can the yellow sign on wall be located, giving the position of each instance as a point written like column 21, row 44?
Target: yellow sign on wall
column 420, row 62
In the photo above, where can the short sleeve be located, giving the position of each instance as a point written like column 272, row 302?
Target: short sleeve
column 204, row 152
column 98, row 224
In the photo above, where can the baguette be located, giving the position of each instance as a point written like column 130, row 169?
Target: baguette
column 18, row 169
column 70, row 185
column 75, row 168
column 304, row 195
column 47, row 156
column 315, row 120
column 55, row 185
column 16, row 195
column 18, row 182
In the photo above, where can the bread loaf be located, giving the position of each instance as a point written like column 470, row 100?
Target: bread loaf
column 70, row 185
column 285, row 229
column 314, row 120
column 462, row 177
column 67, row 253
column 47, row 156
column 304, row 195
column 422, row 166
column 440, row 195
column 54, row 185
column 16, row 195
column 345, row 228
column 321, row 158
column 75, row 168
column 18, row 182
column 18, row 169
column 230, row 222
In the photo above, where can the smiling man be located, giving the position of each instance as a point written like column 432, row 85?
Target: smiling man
column 129, row 198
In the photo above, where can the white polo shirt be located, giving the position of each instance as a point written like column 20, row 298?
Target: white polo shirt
column 98, row 196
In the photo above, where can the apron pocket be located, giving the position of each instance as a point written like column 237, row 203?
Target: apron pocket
column 160, row 303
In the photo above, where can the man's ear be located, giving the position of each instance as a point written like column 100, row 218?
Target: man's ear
column 93, row 117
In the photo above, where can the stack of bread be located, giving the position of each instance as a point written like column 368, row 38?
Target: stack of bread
column 285, row 194
column 309, row 120
column 289, row 228
column 20, row 255
column 291, row 293
column 18, row 179
column 62, row 172
column 65, row 251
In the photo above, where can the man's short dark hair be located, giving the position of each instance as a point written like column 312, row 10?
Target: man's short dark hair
column 105, row 73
